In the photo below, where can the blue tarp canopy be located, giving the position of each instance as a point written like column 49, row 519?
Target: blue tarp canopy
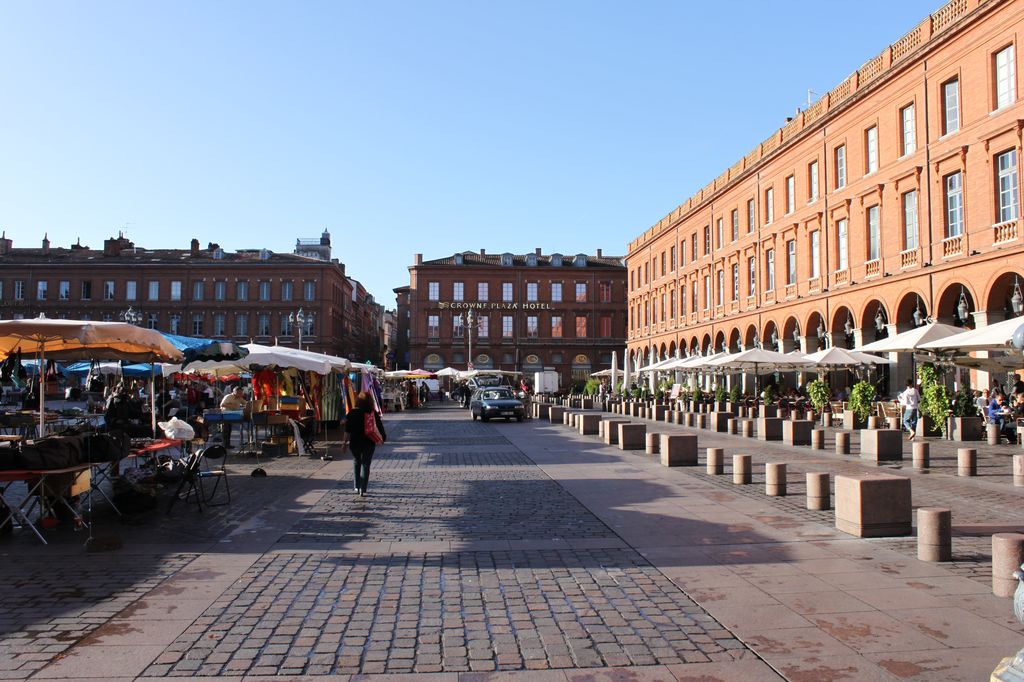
column 80, row 369
column 198, row 349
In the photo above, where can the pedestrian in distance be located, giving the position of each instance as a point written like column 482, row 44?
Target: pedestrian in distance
column 910, row 400
column 363, row 441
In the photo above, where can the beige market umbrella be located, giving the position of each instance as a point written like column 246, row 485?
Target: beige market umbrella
column 82, row 340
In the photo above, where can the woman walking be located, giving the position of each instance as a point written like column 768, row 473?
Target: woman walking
column 361, row 442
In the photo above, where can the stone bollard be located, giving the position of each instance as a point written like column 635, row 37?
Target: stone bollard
column 775, row 479
column 842, row 442
column 716, row 461
column 872, row 422
column 678, row 450
column 992, row 434
column 826, row 419
column 632, row 436
column 731, row 426
column 873, row 505
column 742, row 470
column 818, row 439
column 819, row 494
column 651, row 447
column 748, row 428
column 934, row 534
column 1018, row 470
column 1007, row 556
column 921, row 455
column 556, row 414
column 966, row 462
column 893, row 423
column 589, row 424
column 690, row 419
column 677, row 417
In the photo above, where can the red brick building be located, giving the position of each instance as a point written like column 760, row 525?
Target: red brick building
column 246, row 295
column 892, row 199
column 529, row 312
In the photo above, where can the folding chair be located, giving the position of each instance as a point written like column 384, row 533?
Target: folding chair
column 214, row 453
column 190, row 484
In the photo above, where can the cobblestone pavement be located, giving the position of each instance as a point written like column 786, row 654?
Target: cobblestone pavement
column 336, row 612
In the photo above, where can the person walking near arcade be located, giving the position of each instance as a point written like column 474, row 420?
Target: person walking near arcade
column 366, row 431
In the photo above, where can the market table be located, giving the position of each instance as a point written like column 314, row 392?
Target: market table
column 39, row 482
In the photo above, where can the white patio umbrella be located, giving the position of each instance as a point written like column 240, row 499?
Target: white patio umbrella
column 912, row 339
column 448, row 372
column 626, row 361
column 615, row 369
column 998, row 336
column 840, row 358
column 758, row 361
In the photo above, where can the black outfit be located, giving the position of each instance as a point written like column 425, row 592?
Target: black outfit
column 362, row 447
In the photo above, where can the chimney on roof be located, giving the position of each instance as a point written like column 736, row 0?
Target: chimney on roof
column 418, row 260
column 599, row 253
column 114, row 247
column 537, row 251
column 212, row 246
column 46, row 245
column 77, row 246
column 5, row 244
column 483, row 252
column 194, row 246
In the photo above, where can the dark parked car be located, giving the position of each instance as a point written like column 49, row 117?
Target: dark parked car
column 498, row 402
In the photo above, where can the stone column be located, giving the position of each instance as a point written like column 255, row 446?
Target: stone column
column 982, row 379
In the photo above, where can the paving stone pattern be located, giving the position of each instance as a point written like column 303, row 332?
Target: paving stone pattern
column 50, row 605
column 303, row 613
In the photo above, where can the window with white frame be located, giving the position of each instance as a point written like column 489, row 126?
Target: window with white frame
column 263, row 324
column 176, row 290
column 950, row 106
column 840, row 160
column 735, row 281
column 1006, row 79
column 871, row 147
column 64, row 290
column 752, row 275
column 791, row 261
column 242, row 291
column 908, row 131
column 842, row 247
column 769, row 206
column 433, row 291
column 581, row 292
column 605, row 292
column 735, row 224
column 672, row 259
column 457, row 327
column 531, row 291
column 693, row 296
column 197, row 324
column 197, row 290
column 693, row 245
column 707, row 240
column 131, row 290
column 220, row 290
column 108, row 290
column 218, row 324
column 1006, row 181
column 264, row 290
column 309, row 290
column 41, row 288
column 790, row 194
column 433, row 326
column 152, row 320
column 720, row 294
column 874, row 234
column 506, row 292
column 482, row 291
column 954, row 204
column 506, row 326
column 531, row 327
column 287, row 291
column 556, row 326
column 812, row 181
column 241, row 324
column 154, row 291
column 556, row 292
column 770, row 270
column 682, row 300
column 909, row 201
column 19, row 290
column 87, row 290
column 815, row 254
column 751, row 215
column 719, row 232
column 707, row 292
column 483, row 326
column 458, row 291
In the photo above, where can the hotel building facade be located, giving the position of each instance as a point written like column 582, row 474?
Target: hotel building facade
column 529, row 312
column 892, row 200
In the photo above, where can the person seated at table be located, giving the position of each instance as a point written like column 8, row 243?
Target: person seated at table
column 997, row 411
column 235, row 401
column 124, row 414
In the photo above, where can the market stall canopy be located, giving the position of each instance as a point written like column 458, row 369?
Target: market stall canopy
column 81, row 369
column 912, row 339
column 412, row 374
column 462, row 376
column 840, row 357
column 660, row 366
column 998, row 336
column 198, row 349
column 448, row 372
column 268, row 356
column 85, row 340
column 758, row 361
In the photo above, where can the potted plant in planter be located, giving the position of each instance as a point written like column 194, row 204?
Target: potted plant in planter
column 720, row 395
column 769, row 409
column 862, row 397
column 734, row 400
column 966, row 424
column 928, row 425
column 819, row 392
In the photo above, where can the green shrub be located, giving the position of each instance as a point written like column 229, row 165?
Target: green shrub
column 862, row 399
column 963, row 403
column 734, row 393
column 592, row 387
column 819, row 392
column 720, row 394
column 768, row 394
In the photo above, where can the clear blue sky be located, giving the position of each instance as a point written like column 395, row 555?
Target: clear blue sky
column 401, row 127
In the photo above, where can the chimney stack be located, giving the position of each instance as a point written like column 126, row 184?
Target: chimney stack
column 418, row 260
column 46, row 245
column 599, row 253
column 5, row 244
column 537, row 251
column 194, row 246
column 483, row 252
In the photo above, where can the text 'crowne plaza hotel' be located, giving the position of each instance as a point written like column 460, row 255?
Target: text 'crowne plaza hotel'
column 892, row 200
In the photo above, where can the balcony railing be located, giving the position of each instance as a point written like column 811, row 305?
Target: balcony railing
column 842, row 276
column 908, row 258
column 790, row 291
column 873, row 267
column 953, row 246
column 1005, row 232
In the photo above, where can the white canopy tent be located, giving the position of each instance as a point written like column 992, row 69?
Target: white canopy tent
column 841, row 358
column 912, row 339
column 998, row 336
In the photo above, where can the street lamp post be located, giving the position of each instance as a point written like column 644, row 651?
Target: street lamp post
column 469, row 336
column 298, row 320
